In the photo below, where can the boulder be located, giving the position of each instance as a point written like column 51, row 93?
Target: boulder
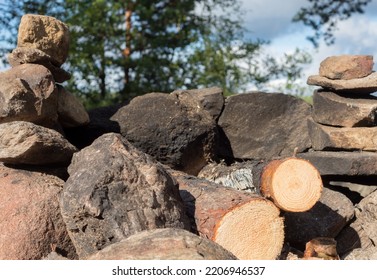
column 359, row 86
column 28, row 93
column 211, row 99
column 34, row 56
column 333, row 109
column 30, row 219
column 27, row 143
column 114, row 191
column 164, row 244
column 262, row 125
column 342, row 138
column 44, row 33
column 71, row 112
column 173, row 128
column 346, row 67
column 358, row 163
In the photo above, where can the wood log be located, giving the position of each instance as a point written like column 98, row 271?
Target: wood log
column 321, row 248
column 293, row 184
column 164, row 244
column 247, row 225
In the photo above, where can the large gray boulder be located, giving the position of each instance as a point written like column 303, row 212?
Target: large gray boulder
column 173, row 128
column 262, row 125
column 114, row 191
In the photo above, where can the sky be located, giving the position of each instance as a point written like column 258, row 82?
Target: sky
column 272, row 20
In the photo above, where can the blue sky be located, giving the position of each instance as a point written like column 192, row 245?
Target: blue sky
column 272, row 20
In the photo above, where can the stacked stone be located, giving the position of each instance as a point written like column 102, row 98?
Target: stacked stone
column 344, row 126
column 35, row 108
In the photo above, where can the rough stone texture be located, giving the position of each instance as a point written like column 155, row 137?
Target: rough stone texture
column 343, row 163
column 362, row 233
column 27, row 55
column 262, row 125
column 342, row 138
column 71, row 112
column 336, row 110
column 364, row 85
column 173, row 128
column 326, row 219
column 114, row 191
column 212, row 99
column 27, row 143
column 46, row 34
column 30, row 219
column 346, row 67
column 164, row 244
column 28, row 93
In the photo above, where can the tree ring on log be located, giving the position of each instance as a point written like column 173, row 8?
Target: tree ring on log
column 293, row 184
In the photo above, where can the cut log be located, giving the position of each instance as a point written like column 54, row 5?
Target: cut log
column 336, row 110
column 247, row 225
column 164, row 244
column 321, row 248
column 293, row 184
column 342, row 138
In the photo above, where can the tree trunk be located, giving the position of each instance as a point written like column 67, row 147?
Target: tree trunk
column 128, row 50
column 293, row 184
column 247, row 225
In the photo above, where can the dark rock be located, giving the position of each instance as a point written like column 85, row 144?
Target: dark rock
column 164, row 244
column 28, row 143
column 262, row 125
column 30, row 218
column 342, row 163
column 334, row 109
column 173, row 128
column 212, row 99
column 114, row 191
column 28, row 93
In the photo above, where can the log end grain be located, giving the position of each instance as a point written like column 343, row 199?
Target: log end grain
column 252, row 231
column 293, row 184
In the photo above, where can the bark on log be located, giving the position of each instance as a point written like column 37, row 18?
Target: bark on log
column 293, row 184
column 321, row 248
column 247, row 225
column 164, row 244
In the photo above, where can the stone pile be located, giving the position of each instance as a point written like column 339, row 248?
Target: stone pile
column 34, row 108
column 343, row 130
column 34, row 111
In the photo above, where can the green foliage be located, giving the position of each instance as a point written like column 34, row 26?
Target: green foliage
column 323, row 16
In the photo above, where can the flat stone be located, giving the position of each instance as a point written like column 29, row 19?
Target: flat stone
column 364, row 85
column 342, row 163
column 342, row 138
column 28, row 55
column 261, row 125
column 114, row 191
column 45, row 33
column 31, row 224
column 27, row 143
column 71, row 112
column 333, row 109
column 346, row 67
column 28, row 93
